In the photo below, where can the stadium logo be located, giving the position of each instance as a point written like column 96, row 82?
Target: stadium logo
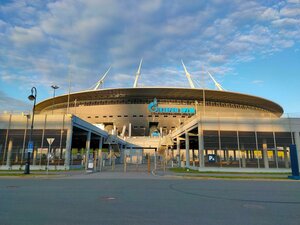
column 153, row 108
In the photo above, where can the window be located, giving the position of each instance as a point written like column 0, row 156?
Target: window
column 134, row 116
column 119, row 115
column 104, row 116
column 110, row 116
column 141, row 116
column 125, row 115
column 96, row 116
column 88, row 117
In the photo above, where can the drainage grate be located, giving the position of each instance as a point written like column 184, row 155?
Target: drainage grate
column 108, row 198
column 12, row 187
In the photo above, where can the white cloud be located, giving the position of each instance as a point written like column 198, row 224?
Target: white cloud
column 290, row 11
column 270, row 14
column 294, row 1
column 8, row 103
column 53, row 39
column 286, row 22
column 257, row 81
column 27, row 36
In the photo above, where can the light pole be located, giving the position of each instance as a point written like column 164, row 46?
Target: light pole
column 50, row 141
column 54, row 88
column 31, row 97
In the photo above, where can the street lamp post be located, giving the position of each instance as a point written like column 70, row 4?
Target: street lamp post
column 31, row 97
column 54, row 88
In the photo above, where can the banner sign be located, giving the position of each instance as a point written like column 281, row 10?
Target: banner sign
column 153, row 107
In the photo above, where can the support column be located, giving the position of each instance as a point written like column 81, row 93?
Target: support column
column 155, row 160
column 297, row 143
column 187, row 150
column 6, row 140
column 121, row 153
column 227, row 156
column 256, row 145
column 99, row 155
column 115, row 130
column 42, row 141
column 193, row 156
column 87, row 148
column 243, row 159
column 286, row 159
column 129, row 130
column 34, row 157
column 130, row 154
column 201, row 146
column 265, row 154
column 110, row 154
column 275, row 155
column 9, row 153
column 24, row 141
column 68, row 147
column 178, row 150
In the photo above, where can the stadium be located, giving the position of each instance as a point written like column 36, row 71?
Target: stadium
column 192, row 127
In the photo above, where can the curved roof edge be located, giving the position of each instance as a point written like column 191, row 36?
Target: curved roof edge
column 167, row 92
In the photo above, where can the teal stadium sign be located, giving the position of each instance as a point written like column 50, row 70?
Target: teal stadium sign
column 153, row 108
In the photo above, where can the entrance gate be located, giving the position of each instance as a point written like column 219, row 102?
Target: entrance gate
column 143, row 160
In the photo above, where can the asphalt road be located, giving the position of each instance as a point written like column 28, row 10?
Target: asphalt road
column 145, row 199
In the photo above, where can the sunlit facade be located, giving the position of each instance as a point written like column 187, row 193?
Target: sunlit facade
column 238, row 130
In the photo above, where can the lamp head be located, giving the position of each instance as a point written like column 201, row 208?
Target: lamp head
column 54, row 86
column 31, row 97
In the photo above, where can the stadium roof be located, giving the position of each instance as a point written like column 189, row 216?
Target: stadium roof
column 165, row 93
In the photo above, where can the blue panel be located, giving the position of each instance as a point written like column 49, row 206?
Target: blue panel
column 294, row 160
column 212, row 158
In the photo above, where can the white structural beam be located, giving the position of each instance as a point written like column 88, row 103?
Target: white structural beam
column 138, row 73
column 188, row 75
column 101, row 81
column 219, row 86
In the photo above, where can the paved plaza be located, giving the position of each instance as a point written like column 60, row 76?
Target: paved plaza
column 137, row 197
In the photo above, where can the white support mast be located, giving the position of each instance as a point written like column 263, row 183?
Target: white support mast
column 188, row 75
column 219, row 86
column 101, row 81
column 138, row 73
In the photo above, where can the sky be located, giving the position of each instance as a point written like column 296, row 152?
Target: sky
column 249, row 46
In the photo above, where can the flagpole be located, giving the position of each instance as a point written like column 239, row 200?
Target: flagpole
column 69, row 91
column 203, row 89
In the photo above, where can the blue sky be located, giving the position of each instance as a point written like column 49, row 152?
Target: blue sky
column 249, row 46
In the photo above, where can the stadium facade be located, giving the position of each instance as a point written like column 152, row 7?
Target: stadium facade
column 193, row 127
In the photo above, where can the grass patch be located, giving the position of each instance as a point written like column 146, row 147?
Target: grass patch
column 238, row 177
column 11, row 174
column 185, row 170
column 22, row 175
column 32, row 174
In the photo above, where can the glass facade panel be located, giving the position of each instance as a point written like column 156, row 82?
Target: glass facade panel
column 211, row 140
column 247, row 140
column 228, row 140
column 283, row 142
column 2, row 144
column 13, row 147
